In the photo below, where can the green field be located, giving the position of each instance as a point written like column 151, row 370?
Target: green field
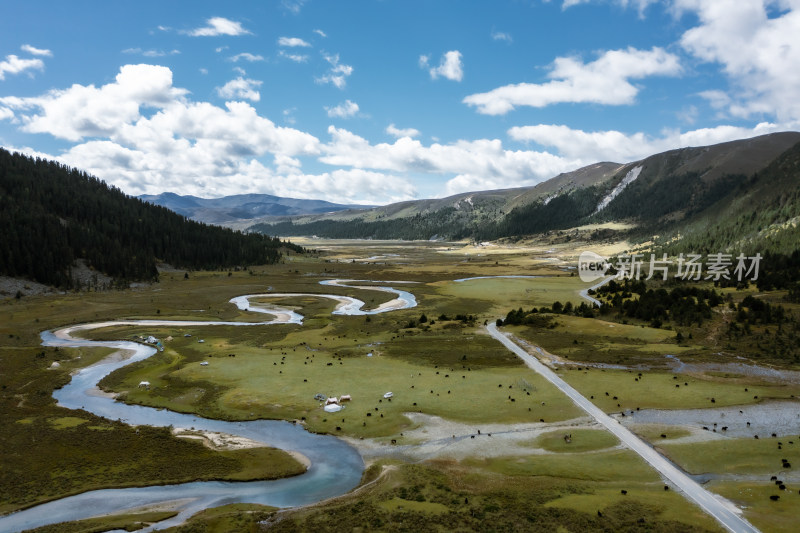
column 436, row 359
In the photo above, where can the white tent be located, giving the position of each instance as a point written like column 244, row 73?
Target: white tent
column 333, row 408
column 388, row 395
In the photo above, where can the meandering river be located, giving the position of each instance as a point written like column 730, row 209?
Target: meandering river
column 335, row 469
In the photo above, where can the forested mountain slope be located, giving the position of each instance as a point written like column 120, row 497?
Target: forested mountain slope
column 673, row 194
column 51, row 215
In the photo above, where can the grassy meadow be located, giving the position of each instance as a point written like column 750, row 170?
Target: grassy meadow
column 435, row 358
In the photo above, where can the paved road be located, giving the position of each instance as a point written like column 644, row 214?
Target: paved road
column 725, row 512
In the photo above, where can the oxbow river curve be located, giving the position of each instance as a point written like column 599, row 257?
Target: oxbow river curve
column 335, row 469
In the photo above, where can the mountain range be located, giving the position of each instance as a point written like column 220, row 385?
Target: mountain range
column 743, row 193
column 241, row 207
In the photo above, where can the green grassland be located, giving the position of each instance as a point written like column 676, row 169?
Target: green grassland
column 511, row 293
column 760, row 510
column 581, row 440
column 626, row 390
column 458, row 375
column 126, row 522
column 440, row 366
column 442, row 496
column 737, row 456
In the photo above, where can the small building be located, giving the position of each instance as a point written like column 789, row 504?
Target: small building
column 144, row 384
column 344, row 398
column 388, row 395
column 331, row 400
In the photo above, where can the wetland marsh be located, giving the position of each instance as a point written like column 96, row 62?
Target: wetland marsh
column 452, row 384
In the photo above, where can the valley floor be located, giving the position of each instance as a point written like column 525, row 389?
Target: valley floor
column 470, row 436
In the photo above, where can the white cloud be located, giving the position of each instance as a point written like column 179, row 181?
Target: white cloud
column 6, row 113
column 246, row 56
column 483, row 163
column 591, row 147
column 203, row 71
column 346, row 109
column 297, row 58
column 640, row 5
column 321, row 33
column 756, row 43
column 338, row 73
column 219, row 26
column 603, row 81
column 450, row 66
column 293, row 5
column 150, row 53
column 423, row 61
column 502, row 36
column 394, row 131
column 241, row 88
column 36, row 51
column 292, row 42
column 207, row 150
column 86, row 111
column 14, row 65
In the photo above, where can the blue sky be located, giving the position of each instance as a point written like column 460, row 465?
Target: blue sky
column 380, row 101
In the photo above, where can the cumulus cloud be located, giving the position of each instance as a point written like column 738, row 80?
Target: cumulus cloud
column 482, row 161
column 603, row 81
column 14, row 65
column 450, row 66
column 292, row 42
column 241, row 88
column 219, row 26
column 196, row 147
column 338, row 73
column 87, row 111
column 765, row 72
column 394, row 131
column 36, row 51
column 616, row 146
column 346, row 109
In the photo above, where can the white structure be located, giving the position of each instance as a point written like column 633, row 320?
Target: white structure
column 204, row 363
column 333, row 408
column 145, row 384
column 332, row 400
column 344, row 398
column 388, row 395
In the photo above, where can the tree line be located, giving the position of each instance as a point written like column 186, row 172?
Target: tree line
column 51, row 215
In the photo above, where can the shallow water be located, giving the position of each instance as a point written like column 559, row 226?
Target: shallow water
column 781, row 418
column 336, row 467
